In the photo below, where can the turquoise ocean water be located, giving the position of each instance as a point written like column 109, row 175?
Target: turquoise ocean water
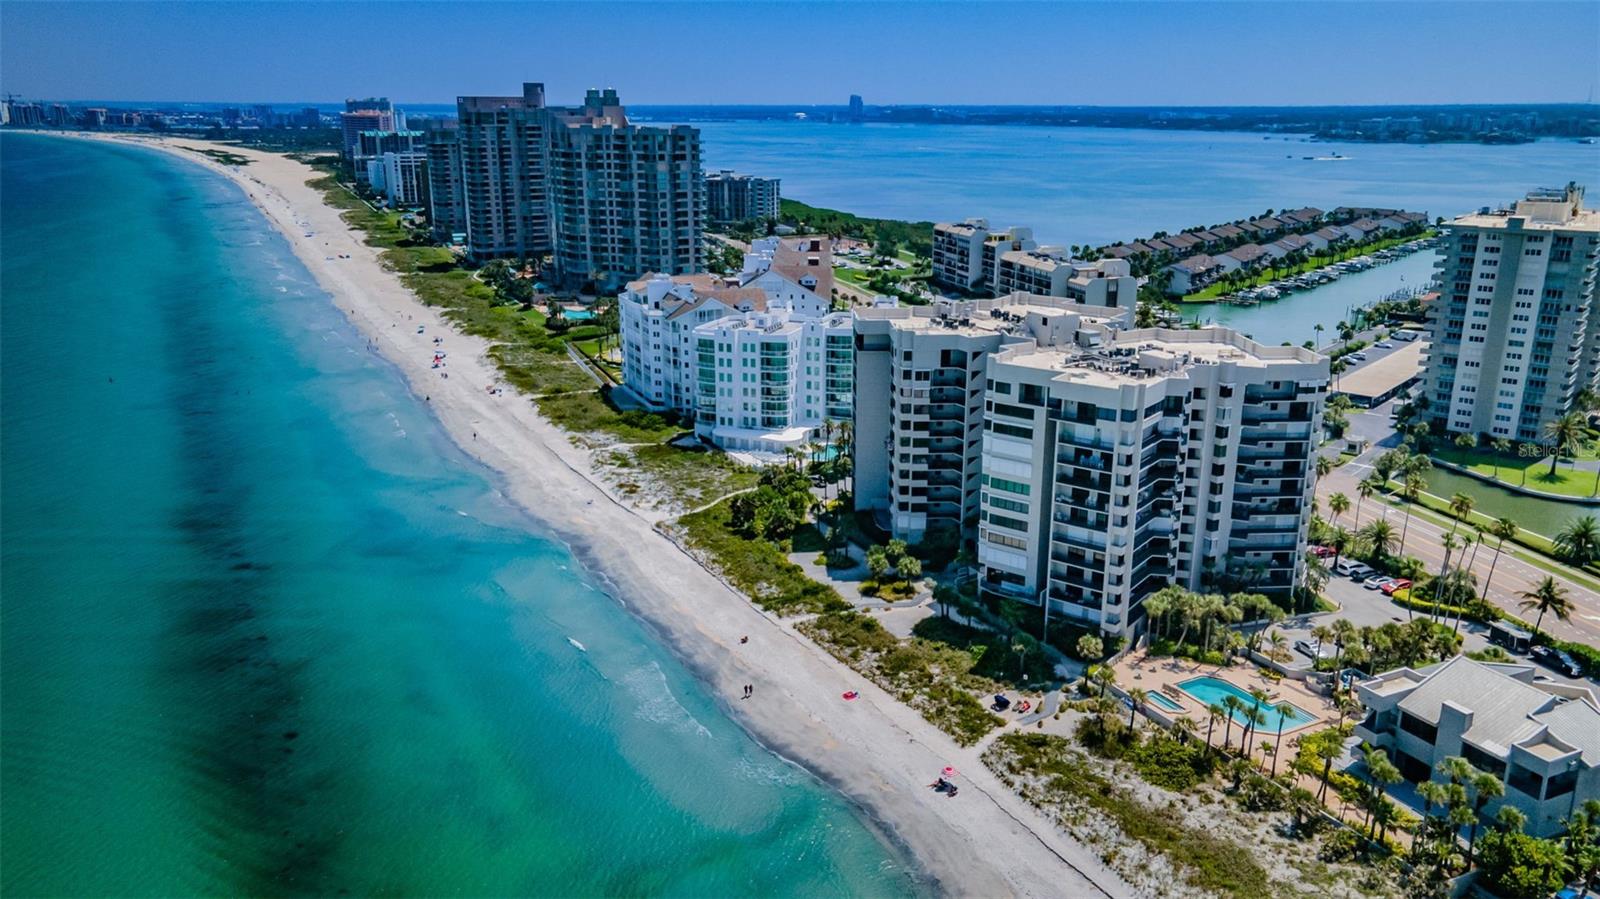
column 267, row 631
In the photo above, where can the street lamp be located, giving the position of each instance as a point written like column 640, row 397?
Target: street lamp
column 1044, row 600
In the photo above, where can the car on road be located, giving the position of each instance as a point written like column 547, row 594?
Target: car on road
column 1357, row 357
column 1305, row 648
column 1377, row 581
column 1396, row 584
column 1557, row 659
column 1384, row 345
column 1321, row 552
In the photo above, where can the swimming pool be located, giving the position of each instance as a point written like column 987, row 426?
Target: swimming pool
column 1211, row 691
column 577, row 315
column 1165, row 702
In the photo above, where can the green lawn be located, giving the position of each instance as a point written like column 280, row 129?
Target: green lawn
column 1532, row 472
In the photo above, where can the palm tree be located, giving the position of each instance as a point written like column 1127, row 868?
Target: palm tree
column 1383, row 773
column 1185, row 728
column 1340, row 541
column 1230, row 704
column 1485, row 789
column 1253, row 713
column 1504, row 529
column 1277, row 642
column 1284, row 710
column 1579, row 542
column 1412, row 491
column 1368, row 486
column 1214, row 713
column 1550, row 597
column 1460, row 506
column 1136, row 697
column 1380, row 536
column 1338, row 504
column 1502, row 446
column 1450, row 545
column 1565, row 433
column 1324, row 465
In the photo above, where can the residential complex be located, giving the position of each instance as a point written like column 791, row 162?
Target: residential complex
column 970, row 258
column 755, row 359
column 732, row 197
column 607, row 200
column 966, row 254
column 1095, row 464
column 1541, row 738
column 1515, row 335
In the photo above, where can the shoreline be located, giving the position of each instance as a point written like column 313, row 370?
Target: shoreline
column 876, row 752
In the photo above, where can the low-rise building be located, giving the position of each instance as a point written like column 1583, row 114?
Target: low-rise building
column 1244, row 256
column 1049, row 271
column 1193, row 273
column 1542, row 739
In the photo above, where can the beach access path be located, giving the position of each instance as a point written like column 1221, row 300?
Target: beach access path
column 878, row 752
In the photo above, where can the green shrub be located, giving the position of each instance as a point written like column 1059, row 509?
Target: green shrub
column 1518, row 866
column 1172, row 764
column 1210, row 863
column 757, row 567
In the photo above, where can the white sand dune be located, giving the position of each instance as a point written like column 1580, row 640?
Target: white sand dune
column 876, row 751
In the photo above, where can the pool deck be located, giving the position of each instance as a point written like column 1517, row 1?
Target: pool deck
column 1161, row 674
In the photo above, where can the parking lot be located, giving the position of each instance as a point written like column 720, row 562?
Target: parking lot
column 1370, row 608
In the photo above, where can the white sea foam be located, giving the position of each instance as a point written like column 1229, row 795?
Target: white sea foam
column 654, row 702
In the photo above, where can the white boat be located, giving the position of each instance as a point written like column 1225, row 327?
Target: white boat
column 578, row 646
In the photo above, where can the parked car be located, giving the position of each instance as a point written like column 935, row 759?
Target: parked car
column 1321, row 552
column 1377, row 581
column 1385, row 345
column 1354, row 570
column 1396, row 584
column 1557, row 659
column 1305, row 648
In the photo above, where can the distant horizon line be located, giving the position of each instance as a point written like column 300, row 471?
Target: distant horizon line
column 802, row 105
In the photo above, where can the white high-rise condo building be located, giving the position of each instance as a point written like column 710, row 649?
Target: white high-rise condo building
column 1515, row 332
column 919, row 401
column 1094, row 464
column 755, row 358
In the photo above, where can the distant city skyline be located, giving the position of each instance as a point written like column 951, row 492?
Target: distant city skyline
column 1153, row 54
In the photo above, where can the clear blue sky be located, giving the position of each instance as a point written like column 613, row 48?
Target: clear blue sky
column 1188, row 53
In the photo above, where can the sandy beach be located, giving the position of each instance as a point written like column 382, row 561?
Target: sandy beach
column 876, row 751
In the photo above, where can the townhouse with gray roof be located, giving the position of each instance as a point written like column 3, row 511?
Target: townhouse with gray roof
column 1541, row 738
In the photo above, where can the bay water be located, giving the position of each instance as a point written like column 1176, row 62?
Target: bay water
column 267, row 630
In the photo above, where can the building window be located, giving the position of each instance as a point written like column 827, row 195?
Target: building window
column 1419, row 728
column 1525, row 781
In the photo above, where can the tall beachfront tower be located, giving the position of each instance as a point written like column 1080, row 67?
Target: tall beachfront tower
column 1092, row 464
column 1515, row 332
column 607, row 200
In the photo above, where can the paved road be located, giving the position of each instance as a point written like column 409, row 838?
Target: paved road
column 1370, row 608
column 1424, row 539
